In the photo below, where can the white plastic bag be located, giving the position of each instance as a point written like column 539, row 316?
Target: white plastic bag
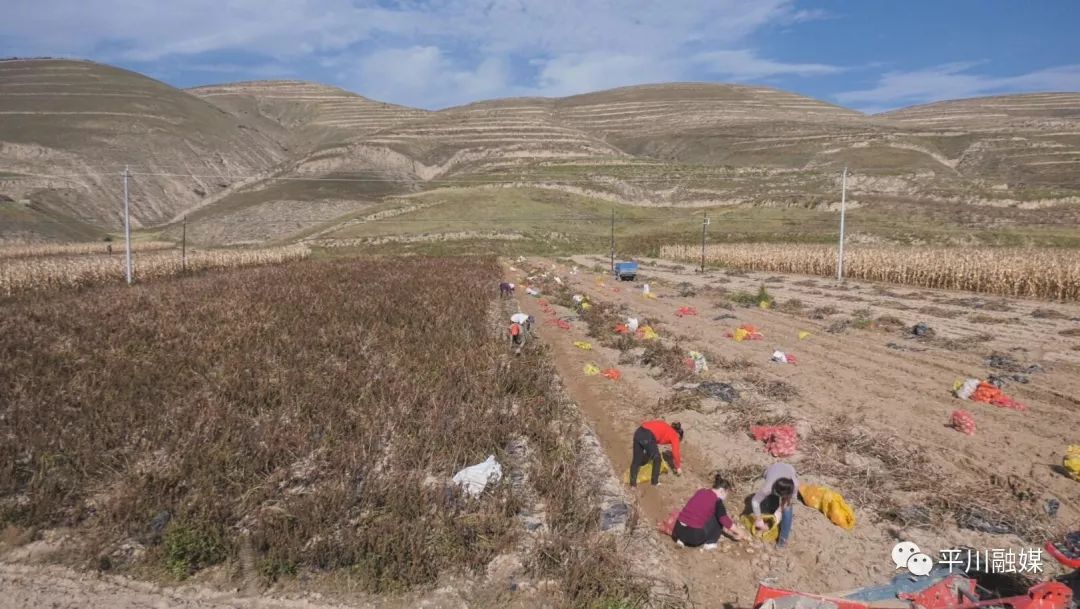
column 701, row 365
column 532, row 291
column 578, row 297
column 475, row 478
column 779, row 356
column 632, row 324
column 645, row 289
column 967, row 389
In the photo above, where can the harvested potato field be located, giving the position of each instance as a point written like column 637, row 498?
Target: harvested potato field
column 300, row 424
column 866, row 384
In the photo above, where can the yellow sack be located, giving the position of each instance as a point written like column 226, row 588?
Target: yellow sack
column 741, row 335
column 830, row 503
column 583, row 345
column 585, row 306
column 644, row 475
column 591, row 369
column 764, row 304
column 803, row 335
column 811, row 495
column 650, row 296
column 1072, row 461
column 647, row 333
column 770, row 534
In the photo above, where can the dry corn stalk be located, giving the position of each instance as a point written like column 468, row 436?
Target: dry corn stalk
column 34, row 250
column 1018, row 272
column 47, row 273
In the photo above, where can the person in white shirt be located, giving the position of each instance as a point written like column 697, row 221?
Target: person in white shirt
column 523, row 319
column 520, row 326
column 780, row 487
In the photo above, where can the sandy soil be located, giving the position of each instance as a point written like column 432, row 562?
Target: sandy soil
column 889, row 393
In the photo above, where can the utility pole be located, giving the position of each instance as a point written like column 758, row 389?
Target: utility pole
column 613, row 239
column 183, row 247
column 704, row 223
column 127, row 225
column 843, row 209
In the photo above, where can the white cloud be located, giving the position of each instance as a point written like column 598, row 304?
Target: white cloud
column 580, row 73
column 146, row 31
column 953, row 81
column 420, row 52
column 746, row 65
column 425, row 77
column 284, row 28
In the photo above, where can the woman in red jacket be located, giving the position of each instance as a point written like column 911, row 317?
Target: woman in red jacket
column 705, row 518
column 647, row 439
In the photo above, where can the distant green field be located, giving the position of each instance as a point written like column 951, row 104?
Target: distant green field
column 550, row 220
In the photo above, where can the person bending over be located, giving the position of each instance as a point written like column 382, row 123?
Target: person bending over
column 647, row 441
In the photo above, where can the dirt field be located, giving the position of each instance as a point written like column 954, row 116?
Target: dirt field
column 862, row 409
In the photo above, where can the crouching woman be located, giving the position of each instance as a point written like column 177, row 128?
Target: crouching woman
column 705, row 518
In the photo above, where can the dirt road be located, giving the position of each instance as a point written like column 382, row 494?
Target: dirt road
column 888, row 396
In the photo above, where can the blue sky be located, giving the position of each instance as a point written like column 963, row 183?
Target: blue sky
column 871, row 55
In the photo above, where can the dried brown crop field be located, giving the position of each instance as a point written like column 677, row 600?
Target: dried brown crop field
column 1020, row 272
column 34, row 250
column 58, row 272
column 295, row 419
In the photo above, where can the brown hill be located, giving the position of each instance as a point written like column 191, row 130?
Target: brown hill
column 271, row 159
column 70, row 127
column 311, row 114
column 679, row 144
column 1016, row 141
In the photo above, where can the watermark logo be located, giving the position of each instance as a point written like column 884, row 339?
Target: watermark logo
column 907, row 555
column 1026, row 560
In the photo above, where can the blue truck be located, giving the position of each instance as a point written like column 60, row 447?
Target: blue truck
column 626, row 271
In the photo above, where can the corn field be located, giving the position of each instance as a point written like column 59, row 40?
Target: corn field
column 1018, row 272
column 35, row 250
column 53, row 272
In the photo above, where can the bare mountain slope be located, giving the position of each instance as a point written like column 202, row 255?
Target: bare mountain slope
column 1013, row 140
column 717, row 124
column 274, row 159
column 680, row 144
column 69, row 127
column 312, row 114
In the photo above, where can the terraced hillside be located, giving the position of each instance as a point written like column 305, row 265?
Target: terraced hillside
column 710, row 123
column 67, row 128
column 692, row 145
column 490, row 134
column 266, row 160
column 311, row 114
column 1016, row 141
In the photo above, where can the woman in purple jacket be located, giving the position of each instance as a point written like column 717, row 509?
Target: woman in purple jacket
column 704, row 518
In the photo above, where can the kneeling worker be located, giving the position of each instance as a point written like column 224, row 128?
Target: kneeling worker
column 705, row 518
